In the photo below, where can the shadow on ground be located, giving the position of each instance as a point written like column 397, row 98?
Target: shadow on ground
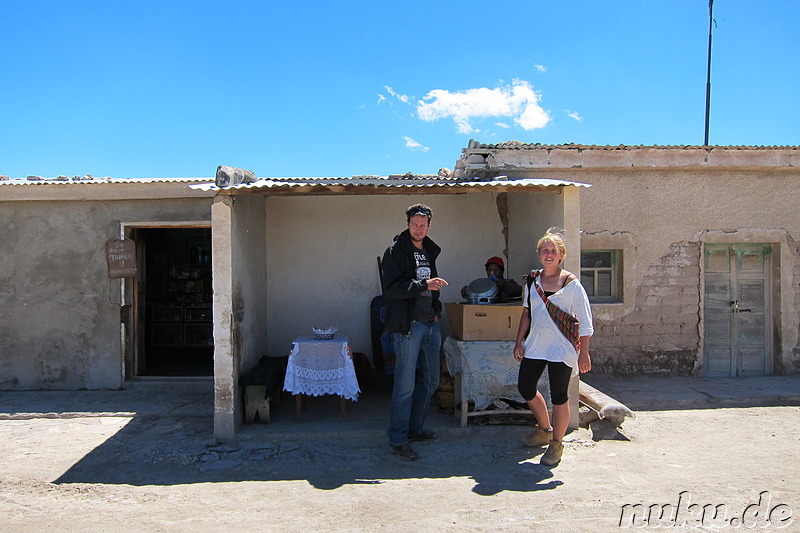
column 169, row 439
column 328, row 453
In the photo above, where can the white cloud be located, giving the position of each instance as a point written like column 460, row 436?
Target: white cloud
column 573, row 115
column 413, row 145
column 502, row 125
column 518, row 101
column 381, row 98
column 402, row 97
column 540, row 68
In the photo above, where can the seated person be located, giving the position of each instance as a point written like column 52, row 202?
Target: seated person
column 506, row 288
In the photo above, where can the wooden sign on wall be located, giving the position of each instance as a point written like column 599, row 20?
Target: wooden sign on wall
column 121, row 257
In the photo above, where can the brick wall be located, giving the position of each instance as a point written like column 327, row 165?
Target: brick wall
column 660, row 336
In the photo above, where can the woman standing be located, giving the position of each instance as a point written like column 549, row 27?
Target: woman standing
column 541, row 343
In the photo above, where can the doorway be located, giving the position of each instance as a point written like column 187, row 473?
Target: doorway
column 737, row 310
column 173, row 303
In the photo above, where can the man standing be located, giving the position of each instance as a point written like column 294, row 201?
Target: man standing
column 411, row 288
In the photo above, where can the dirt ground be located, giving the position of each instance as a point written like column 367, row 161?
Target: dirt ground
column 116, row 472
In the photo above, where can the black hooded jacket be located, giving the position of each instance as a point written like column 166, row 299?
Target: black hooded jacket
column 400, row 285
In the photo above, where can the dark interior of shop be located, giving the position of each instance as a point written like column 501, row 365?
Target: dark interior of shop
column 178, row 323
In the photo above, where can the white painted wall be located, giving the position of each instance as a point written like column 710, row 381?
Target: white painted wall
column 250, row 288
column 322, row 254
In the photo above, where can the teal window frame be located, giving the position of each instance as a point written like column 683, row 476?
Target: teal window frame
column 602, row 279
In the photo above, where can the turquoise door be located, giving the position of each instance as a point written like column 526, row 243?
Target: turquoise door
column 737, row 310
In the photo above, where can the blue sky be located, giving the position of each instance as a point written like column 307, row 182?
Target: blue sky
column 173, row 89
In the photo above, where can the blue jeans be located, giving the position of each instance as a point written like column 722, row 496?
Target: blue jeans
column 411, row 397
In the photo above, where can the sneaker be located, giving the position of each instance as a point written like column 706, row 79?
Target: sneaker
column 404, row 451
column 426, row 434
column 539, row 437
column 553, row 454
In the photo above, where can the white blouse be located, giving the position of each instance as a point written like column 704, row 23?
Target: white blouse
column 545, row 340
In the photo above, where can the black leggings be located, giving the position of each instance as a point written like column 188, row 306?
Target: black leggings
column 530, row 370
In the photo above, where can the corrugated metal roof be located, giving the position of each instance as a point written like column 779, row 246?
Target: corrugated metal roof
column 36, row 180
column 390, row 181
column 285, row 183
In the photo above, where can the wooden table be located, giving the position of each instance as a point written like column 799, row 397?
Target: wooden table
column 485, row 371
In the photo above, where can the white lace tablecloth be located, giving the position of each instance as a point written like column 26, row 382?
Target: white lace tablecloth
column 320, row 367
column 488, row 370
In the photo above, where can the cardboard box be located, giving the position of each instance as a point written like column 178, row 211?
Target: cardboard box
column 490, row 322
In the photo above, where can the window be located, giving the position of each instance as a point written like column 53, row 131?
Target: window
column 600, row 275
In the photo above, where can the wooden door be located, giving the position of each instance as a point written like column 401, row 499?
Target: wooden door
column 737, row 310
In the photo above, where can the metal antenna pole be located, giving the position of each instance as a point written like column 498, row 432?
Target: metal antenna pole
column 708, row 74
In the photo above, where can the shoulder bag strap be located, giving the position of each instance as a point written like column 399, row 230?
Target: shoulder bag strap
column 566, row 323
column 532, row 281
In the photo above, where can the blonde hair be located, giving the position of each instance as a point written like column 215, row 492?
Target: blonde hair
column 555, row 236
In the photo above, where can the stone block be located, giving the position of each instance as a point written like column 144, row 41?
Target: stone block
column 229, row 176
column 586, row 416
column 606, row 430
column 610, row 413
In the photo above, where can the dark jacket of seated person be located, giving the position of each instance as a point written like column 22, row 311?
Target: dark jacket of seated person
column 506, row 288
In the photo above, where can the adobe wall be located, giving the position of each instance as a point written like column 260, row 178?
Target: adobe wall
column 59, row 311
column 660, row 335
column 660, row 206
column 665, row 217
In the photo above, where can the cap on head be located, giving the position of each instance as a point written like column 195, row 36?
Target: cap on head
column 496, row 260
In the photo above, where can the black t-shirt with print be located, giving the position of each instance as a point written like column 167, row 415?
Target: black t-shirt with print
column 423, row 304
